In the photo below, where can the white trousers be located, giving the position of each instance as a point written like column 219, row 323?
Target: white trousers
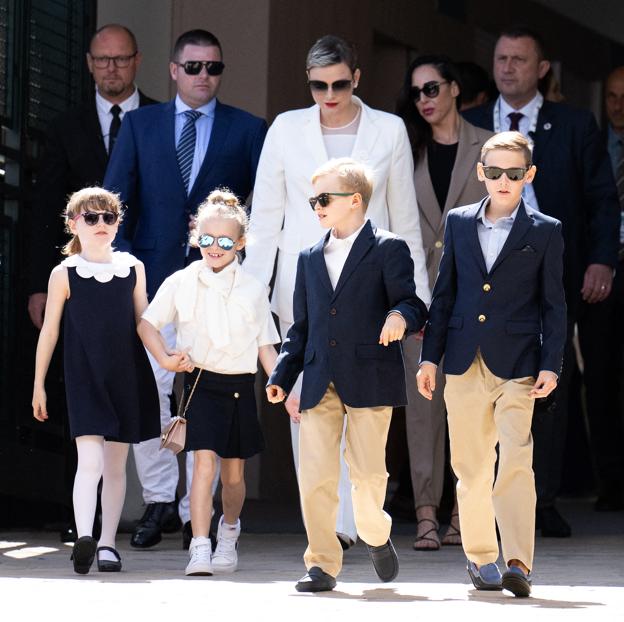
column 158, row 469
column 345, row 521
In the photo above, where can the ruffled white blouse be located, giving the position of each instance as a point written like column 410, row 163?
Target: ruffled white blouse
column 102, row 272
column 223, row 317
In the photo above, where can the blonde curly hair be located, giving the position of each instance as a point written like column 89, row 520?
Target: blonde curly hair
column 221, row 203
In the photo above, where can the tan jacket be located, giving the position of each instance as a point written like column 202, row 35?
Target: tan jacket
column 465, row 188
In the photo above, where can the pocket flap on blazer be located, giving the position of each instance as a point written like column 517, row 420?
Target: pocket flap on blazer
column 514, row 327
column 308, row 356
column 144, row 243
column 456, row 321
column 376, row 351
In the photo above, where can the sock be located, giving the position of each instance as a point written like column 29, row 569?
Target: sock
column 88, row 474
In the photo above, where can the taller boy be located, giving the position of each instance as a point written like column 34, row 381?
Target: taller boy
column 354, row 300
column 499, row 318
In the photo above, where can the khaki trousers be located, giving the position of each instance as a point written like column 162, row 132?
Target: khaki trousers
column 319, row 472
column 484, row 410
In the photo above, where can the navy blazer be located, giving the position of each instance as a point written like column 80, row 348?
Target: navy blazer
column 335, row 335
column 144, row 170
column 575, row 185
column 515, row 313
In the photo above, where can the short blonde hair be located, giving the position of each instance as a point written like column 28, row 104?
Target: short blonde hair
column 223, row 204
column 91, row 199
column 354, row 176
column 509, row 141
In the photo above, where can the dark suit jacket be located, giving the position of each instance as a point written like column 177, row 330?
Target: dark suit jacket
column 144, row 170
column 515, row 313
column 574, row 184
column 74, row 157
column 335, row 335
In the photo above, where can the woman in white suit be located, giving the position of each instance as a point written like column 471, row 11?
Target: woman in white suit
column 299, row 141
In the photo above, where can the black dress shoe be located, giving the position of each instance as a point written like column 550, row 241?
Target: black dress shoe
column 107, row 565
column 315, row 580
column 551, row 523
column 156, row 517
column 83, row 554
column 68, row 533
column 385, row 561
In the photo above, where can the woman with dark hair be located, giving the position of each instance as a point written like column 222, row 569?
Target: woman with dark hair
column 339, row 124
column 446, row 150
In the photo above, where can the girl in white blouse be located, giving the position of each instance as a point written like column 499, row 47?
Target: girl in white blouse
column 223, row 320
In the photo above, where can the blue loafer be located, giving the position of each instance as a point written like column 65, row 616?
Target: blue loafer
column 488, row 577
column 518, row 583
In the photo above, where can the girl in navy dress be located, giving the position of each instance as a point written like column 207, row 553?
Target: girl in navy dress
column 223, row 319
column 111, row 394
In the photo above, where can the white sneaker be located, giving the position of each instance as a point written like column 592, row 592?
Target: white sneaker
column 200, row 551
column 225, row 558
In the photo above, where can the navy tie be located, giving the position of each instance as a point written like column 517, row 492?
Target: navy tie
column 186, row 146
column 514, row 121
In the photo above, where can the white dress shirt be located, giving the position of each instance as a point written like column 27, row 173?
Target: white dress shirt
column 493, row 235
column 529, row 111
column 336, row 252
column 105, row 116
column 221, row 317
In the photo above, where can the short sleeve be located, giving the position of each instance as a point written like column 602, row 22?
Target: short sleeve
column 268, row 334
column 162, row 311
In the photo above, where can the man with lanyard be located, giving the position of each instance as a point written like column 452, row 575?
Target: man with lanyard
column 575, row 185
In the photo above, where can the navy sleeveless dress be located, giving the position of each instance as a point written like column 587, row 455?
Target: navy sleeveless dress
column 110, row 386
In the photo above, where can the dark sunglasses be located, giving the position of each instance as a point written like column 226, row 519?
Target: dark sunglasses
column 429, row 89
column 194, row 67
column 324, row 199
column 513, row 174
column 92, row 218
column 206, row 241
column 338, row 85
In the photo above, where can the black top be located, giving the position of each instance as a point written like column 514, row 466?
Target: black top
column 441, row 161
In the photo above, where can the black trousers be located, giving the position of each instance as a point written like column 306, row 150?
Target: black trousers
column 601, row 337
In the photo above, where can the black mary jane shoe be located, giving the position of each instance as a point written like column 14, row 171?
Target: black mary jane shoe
column 106, row 565
column 83, row 554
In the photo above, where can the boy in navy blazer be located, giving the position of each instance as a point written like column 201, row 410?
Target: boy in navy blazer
column 354, row 301
column 499, row 318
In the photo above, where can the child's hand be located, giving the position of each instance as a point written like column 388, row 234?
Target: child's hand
column 393, row 329
column 292, row 408
column 275, row 394
column 426, row 380
column 177, row 361
column 39, row 404
column 544, row 385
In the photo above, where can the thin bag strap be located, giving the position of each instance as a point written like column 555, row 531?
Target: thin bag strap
column 182, row 413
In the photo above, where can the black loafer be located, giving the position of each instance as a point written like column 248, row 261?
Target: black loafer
column 158, row 517
column 385, row 561
column 106, row 565
column 83, row 554
column 551, row 524
column 518, row 583
column 315, row 580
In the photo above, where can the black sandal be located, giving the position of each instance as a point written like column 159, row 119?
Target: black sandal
column 83, row 554
column 452, row 532
column 106, row 565
column 426, row 537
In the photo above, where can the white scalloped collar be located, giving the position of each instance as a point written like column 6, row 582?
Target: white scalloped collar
column 102, row 272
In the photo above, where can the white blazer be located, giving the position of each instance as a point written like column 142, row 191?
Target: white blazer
column 281, row 216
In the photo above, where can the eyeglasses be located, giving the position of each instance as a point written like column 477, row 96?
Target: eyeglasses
column 324, row 198
column 513, row 174
column 429, row 89
column 206, row 241
column 194, row 67
column 121, row 62
column 92, row 218
column 337, row 86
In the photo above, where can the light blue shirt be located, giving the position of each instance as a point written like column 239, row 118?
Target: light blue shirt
column 528, row 192
column 203, row 127
column 493, row 235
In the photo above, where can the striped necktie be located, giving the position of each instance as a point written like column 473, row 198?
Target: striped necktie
column 186, row 146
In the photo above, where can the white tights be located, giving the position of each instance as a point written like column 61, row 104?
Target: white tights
column 97, row 459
